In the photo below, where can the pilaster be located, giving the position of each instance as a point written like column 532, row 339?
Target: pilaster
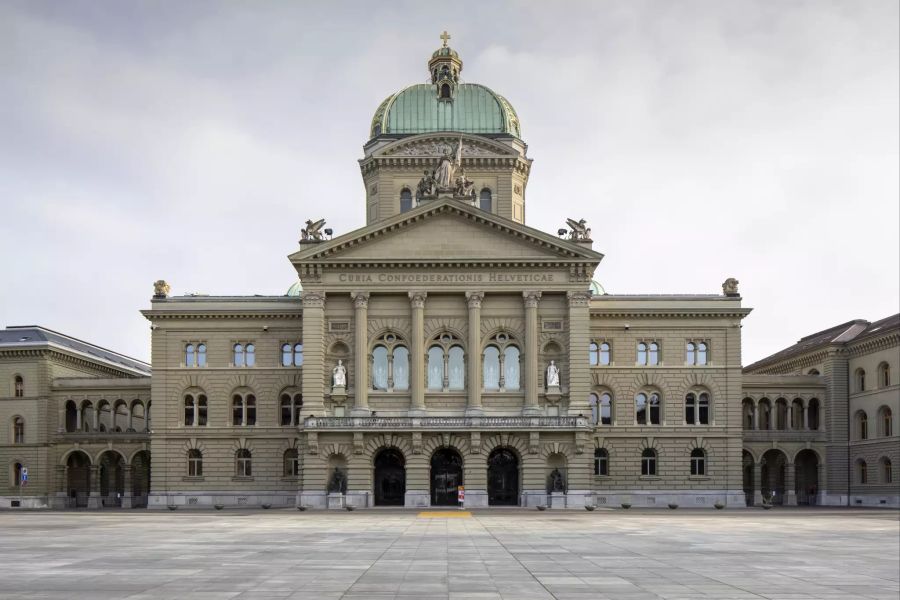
column 361, row 352
column 417, row 353
column 473, row 383
column 532, row 298
column 579, row 339
column 313, row 382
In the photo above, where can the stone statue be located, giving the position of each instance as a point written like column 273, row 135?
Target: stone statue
column 339, row 374
column 552, row 375
column 555, row 482
column 338, row 482
column 464, row 185
column 449, row 163
column 730, row 287
column 161, row 289
column 313, row 231
column 580, row 230
column 427, row 186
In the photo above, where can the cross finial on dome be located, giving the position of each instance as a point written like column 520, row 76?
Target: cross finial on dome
column 445, row 36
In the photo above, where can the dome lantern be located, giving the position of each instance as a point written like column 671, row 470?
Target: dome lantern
column 445, row 67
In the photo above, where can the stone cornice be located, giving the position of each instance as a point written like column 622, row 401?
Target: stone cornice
column 179, row 313
column 739, row 313
column 67, row 359
column 874, row 344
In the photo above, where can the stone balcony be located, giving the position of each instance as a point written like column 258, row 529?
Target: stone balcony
column 782, row 435
column 445, row 423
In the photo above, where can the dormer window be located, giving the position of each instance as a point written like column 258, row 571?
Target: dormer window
column 445, row 92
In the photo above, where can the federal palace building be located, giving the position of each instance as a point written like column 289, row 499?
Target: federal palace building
column 445, row 345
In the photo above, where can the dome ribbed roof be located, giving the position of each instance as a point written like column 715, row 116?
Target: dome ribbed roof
column 597, row 289
column 474, row 109
column 296, row 289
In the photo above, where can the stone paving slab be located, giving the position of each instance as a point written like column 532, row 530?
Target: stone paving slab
column 788, row 554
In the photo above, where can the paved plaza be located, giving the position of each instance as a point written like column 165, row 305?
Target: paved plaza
column 491, row 554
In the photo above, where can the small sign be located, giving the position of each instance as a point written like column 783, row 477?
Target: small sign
column 461, row 494
column 24, row 476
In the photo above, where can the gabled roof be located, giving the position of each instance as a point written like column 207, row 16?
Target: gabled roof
column 546, row 247
column 851, row 331
column 31, row 336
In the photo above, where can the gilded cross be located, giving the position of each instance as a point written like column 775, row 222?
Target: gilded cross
column 445, row 36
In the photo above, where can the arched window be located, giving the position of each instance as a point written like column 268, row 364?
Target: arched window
column 401, row 368
column 605, row 353
column 601, row 462
column 653, row 354
column 298, row 355
column 17, row 474
column 648, row 462
column 765, row 414
column 238, row 356
column 456, row 368
column 887, row 422
column 812, row 414
column 813, row 372
column 862, row 425
column 860, row 380
column 511, row 364
column 781, row 414
column 190, row 356
column 243, row 463
column 195, row 410
column 435, row 368
column 884, row 375
column 18, row 430
column 292, row 355
column 862, row 471
column 250, row 355
column 380, row 368
column 747, row 413
column 647, row 408
column 445, row 91
column 691, row 353
column 594, row 403
column 606, row 409
column 201, row 355
column 291, row 405
column 194, row 463
column 405, row 200
column 797, row 414
column 702, row 353
column 594, row 354
column 698, row 461
column 19, row 387
column 485, row 202
column 291, row 463
column 642, row 353
column 887, row 475
column 491, row 368
column 243, row 409
column 696, row 408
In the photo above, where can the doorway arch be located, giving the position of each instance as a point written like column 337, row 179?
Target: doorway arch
column 806, row 464
column 503, row 478
column 78, row 479
column 748, row 466
column 390, row 478
column 773, row 465
column 112, row 478
column 446, row 476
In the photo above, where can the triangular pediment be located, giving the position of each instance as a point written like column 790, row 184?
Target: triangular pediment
column 435, row 145
column 446, row 231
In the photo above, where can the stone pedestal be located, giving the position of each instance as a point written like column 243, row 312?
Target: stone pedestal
column 557, row 500
column 336, row 501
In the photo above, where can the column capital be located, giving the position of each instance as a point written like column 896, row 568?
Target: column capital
column 313, row 299
column 417, row 299
column 474, row 299
column 532, row 298
column 360, row 299
column 579, row 298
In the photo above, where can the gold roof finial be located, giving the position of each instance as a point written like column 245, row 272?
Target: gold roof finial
column 445, row 36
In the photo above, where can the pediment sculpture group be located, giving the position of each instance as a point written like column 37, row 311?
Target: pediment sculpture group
column 448, row 178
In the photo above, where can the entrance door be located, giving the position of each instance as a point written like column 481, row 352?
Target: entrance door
column 390, row 478
column 503, row 478
column 446, row 476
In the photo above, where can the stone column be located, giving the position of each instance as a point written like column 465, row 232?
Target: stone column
column 77, row 418
column 313, row 372
column 417, row 353
column 361, row 353
column 790, row 478
column 806, row 415
column 532, row 299
column 127, row 471
column 94, row 497
column 757, row 484
column 755, row 415
column 579, row 384
column 197, row 411
column 473, row 383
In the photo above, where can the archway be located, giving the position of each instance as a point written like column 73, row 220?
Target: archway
column 390, row 478
column 78, row 479
column 112, row 478
column 446, row 476
column 747, row 466
column 140, row 479
column 773, row 464
column 807, row 480
column 503, row 478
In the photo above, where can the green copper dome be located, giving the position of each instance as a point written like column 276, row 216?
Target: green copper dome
column 597, row 289
column 474, row 108
column 295, row 290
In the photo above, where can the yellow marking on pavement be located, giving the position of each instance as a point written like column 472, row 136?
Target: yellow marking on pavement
column 445, row 514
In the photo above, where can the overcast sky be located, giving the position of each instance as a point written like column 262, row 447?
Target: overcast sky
column 189, row 141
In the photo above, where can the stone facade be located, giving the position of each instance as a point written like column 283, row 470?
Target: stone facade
column 414, row 362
